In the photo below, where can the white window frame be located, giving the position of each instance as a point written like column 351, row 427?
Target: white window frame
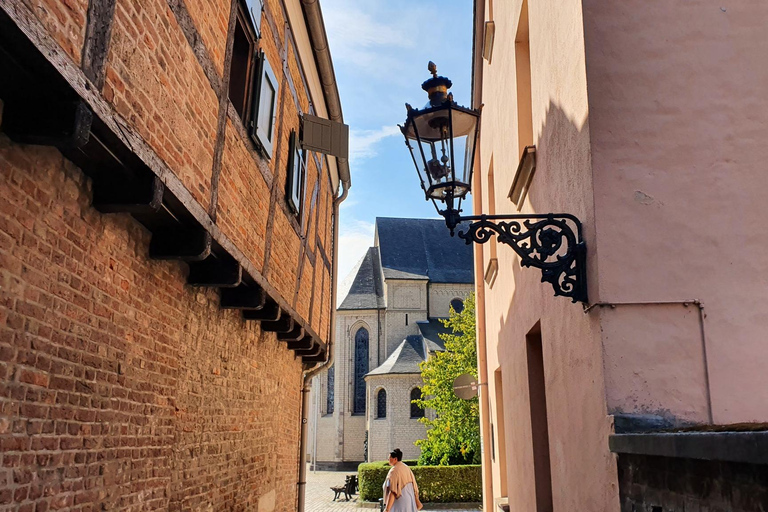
column 264, row 134
column 254, row 8
column 296, row 174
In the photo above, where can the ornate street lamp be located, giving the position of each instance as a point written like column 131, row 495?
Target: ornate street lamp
column 435, row 135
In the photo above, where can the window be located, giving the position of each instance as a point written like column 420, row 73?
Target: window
column 527, row 166
column 296, row 174
column 537, row 394
column 416, row 410
column 240, row 75
column 361, row 368
column 329, row 394
column 381, row 404
column 264, row 114
column 457, row 305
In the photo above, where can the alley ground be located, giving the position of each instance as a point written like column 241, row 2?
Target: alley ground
column 319, row 496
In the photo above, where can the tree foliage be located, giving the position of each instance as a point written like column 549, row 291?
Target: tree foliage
column 453, row 437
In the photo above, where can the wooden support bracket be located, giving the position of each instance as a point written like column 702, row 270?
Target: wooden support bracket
column 294, row 335
column 220, row 270
column 117, row 196
column 283, row 324
column 303, row 344
column 269, row 313
column 46, row 122
column 188, row 244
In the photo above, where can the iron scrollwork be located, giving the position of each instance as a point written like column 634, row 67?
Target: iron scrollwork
column 550, row 242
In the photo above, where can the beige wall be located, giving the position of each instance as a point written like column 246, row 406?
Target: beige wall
column 441, row 295
column 583, row 472
column 398, row 429
column 679, row 120
column 404, row 297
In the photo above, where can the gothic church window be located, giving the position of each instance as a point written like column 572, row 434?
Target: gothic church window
column 329, row 395
column 381, row 404
column 457, row 305
column 361, row 368
column 416, row 411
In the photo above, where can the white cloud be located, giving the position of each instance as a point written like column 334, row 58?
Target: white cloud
column 362, row 143
column 361, row 39
column 355, row 237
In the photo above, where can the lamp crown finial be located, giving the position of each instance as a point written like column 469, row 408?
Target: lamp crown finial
column 432, row 67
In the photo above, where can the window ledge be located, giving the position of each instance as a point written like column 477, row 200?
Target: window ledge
column 491, row 271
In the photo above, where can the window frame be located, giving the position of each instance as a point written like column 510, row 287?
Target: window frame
column 250, row 9
column 261, row 135
column 296, row 174
column 242, row 21
column 379, row 415
column 421, row 414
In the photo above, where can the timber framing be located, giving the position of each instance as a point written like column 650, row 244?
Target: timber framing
column 98, row 30
column 127, row 175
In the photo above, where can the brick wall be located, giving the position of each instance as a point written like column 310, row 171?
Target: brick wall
column 121, row 388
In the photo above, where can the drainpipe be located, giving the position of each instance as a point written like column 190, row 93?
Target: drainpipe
column 309, row 374
column 482, row 361
column 313, row 17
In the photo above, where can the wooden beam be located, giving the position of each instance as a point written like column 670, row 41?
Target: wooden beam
column 302, row 344
column 220, row 270
column 294, row 335
column 315, row 350
column 119, row 196
column 243, row 297
column 283, row 324
column 188, row 244
column 270, row 312
column 47, row 122
column 98, row 29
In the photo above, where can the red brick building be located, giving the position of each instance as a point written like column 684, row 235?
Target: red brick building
column 170, row 174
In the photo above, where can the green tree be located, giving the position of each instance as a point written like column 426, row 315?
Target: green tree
column 453, row 437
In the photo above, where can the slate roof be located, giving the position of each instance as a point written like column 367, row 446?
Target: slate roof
column 430, row 331
column 423, row 249
column 365, row 290
column 405, row 358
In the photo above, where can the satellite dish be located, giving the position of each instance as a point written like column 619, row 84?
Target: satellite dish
column 465, row 386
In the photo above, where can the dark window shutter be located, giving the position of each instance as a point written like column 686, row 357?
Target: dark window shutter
column 325, row 136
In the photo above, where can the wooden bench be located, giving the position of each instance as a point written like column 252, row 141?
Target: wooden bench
column 349, row 488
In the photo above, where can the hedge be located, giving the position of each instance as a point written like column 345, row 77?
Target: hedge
column 437, row 484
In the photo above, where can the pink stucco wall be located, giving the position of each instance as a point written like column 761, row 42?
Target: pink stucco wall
column 650, row 121
column 678, row 122
column 583, row 471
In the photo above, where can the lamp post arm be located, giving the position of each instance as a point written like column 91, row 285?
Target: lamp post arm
column 551, row 242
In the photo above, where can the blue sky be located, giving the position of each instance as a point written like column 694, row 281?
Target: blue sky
column 380, row 51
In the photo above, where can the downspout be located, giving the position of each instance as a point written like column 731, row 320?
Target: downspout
column 313, row 17
column 477, row 203
column 309, row 374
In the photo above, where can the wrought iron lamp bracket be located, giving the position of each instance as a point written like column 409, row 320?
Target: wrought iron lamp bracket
column 551, row 242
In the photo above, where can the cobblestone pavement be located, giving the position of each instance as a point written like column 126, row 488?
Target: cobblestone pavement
column 319, row 496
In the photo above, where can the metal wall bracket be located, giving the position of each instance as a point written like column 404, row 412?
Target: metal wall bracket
column 551, row 242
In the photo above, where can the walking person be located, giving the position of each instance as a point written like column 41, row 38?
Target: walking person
column 401, row 494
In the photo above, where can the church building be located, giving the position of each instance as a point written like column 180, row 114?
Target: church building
column 387, row 323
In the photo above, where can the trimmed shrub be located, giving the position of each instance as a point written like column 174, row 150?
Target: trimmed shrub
column 437, row 484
